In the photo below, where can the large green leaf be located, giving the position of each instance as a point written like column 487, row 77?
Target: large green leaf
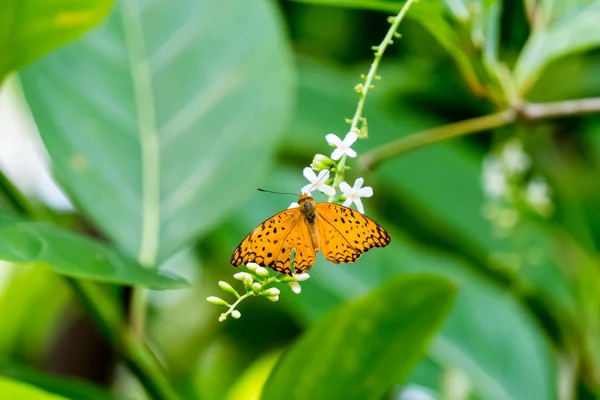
column 12, row 389
column 574, row 32
column 23, row 242
column 29, row 29
column 362, row 349
column 161, row 119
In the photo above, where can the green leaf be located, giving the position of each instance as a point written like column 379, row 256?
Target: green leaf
column 12, row 389
column 73, row 255
column 160, row 120
column 30, row 29
column 575, row 32
column 363, row 348
column 70, row 388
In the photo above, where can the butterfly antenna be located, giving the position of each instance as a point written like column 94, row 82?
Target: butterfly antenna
column 319, row 181
column 271, row 191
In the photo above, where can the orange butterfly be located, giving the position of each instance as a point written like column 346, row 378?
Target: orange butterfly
column 340, row 232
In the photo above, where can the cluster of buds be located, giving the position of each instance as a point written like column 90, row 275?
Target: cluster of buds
column 257, row 282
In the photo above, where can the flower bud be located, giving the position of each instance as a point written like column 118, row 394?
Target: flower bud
column 252, row 266
column 222, row 317
column 261, row 271
column 295, row 286
column 236, row 314
column 241, row 276
column 228, row 288
column 217, row 301
column 273, row 298
column 321, row 162
column 270, row 292
column 256, row 287
column 302, row 277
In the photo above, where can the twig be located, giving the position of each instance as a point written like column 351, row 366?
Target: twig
column 524, row 112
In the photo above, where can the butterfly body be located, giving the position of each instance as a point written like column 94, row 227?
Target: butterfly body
column 342, row 234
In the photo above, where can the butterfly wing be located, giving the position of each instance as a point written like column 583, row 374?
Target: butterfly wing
column 346, row 234
column 270, row 244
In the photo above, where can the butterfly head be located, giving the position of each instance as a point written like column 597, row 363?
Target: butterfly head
column 307, row 206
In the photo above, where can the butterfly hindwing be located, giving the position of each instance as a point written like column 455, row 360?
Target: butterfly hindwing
column 270, row 244
column 346, row 234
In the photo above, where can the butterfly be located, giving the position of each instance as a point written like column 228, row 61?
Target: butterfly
column 341, row 233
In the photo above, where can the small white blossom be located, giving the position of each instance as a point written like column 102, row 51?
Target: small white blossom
column 342, row 146
column 514, row 159
column 537, row 195
column 353, row 194
column 301, row 277
column 295, row 286
column 317, row 182
column 493, row 177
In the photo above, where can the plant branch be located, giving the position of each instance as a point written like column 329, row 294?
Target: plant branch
column 363, row 89
column 523, row 112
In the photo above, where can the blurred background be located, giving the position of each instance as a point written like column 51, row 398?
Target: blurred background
column 243, row 97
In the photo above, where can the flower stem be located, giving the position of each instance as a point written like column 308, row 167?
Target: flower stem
column 523, row 112
column 367, row 85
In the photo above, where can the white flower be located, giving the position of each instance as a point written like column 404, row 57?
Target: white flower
column 537, row 195
column 317, row 182
column 493, row 178
column 342, row 146
column 294, row 205
column 353, row 194
column 514, row 159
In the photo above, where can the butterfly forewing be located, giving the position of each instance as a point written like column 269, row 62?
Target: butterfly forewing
column 270, row 244
column 346, row 234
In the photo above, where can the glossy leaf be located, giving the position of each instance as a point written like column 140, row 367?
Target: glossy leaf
column 30, row 29
column 161, row 119
column 73, row 255
column 338, row 358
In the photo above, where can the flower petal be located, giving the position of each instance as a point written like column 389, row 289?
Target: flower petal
column 367, row 191
column 347, row 202
column 309, row 174
column 359, row 205
column 345, row 188
column 337, row 154
column 307, row 189
column 350, row 138
column 328, row 190
column 333, row 139
column 294, row 205
column 350, row 153
column 358, row 184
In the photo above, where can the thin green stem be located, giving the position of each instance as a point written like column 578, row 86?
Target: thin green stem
column 364, row 88
column 522, row 112
column 376, row 156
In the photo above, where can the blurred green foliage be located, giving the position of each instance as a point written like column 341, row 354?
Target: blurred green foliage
column 162, row 120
